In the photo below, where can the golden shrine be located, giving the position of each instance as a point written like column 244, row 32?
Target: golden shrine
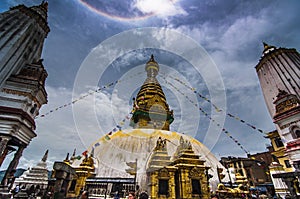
column 184, row 177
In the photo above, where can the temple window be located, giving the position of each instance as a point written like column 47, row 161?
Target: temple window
column 32, row 110
column 287, row 164
column 274, row 158
column 73, row 185
column 163, row 187
column 295, row 131
column 196, row 188
column 241, row 172
column 278, row 142
column 248, row 173
column 240, row 164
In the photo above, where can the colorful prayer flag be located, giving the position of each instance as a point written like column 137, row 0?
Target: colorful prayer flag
column 107, row 137
column 85, row 153
column 78, row 157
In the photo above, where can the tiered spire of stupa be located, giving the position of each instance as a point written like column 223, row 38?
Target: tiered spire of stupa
column 150, row 108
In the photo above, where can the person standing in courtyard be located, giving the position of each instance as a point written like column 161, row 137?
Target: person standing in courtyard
column 143, row 195
column 84, row 195
column 131, row 195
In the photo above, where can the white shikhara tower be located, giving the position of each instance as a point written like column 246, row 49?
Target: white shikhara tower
column 22, row 78
column 278, row 69
column 36, row 176
column 279, row 75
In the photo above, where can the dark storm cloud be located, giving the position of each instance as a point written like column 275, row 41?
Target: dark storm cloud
column 242, row 25
column 73, row 33
column 220, row 13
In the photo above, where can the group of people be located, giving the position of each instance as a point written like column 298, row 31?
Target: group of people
column 131, row 195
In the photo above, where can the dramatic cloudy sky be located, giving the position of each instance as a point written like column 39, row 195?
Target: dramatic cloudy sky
column 227, row 34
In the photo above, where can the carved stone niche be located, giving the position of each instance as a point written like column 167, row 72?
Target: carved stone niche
column 164, row 174
column 195, row 173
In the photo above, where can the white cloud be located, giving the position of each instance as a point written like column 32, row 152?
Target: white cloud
column 228, row 45
column 244, row 31
column 229, row 38
column 163, row 8
column 97, row 115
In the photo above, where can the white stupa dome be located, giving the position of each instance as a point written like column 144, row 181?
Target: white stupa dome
column 112, row 152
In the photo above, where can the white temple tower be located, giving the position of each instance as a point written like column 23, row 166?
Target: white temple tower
column 279, row 74
column 278, row 69
column 22, row 78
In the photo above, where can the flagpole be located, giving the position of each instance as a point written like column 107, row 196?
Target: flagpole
column 135, row 172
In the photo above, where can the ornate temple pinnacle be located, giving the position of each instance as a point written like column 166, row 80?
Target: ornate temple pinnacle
column 44, row 4
column 74, row 153
column 151, row 58
column 67, row 158
column 267, row 48
column 150, row 108
column 152, row 67
column 265, row 45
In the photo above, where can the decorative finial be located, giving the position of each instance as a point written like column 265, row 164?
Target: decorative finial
column 152, row 67
column 160, row 144
column 151, row 59
column 74, row 152
column 265, row 45
column 67, row 158
column 44, row 4
column 44, row 159
column 92, row 152
column 267, row 48
column 281, row 93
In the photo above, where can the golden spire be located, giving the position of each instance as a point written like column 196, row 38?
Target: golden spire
column 152, row 68
column 150, row 108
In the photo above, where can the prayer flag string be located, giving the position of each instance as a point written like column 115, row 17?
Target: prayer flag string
column 217, row 109
column 90, row 92
column 120, row 124
column 118, row 127
column 207, row 115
